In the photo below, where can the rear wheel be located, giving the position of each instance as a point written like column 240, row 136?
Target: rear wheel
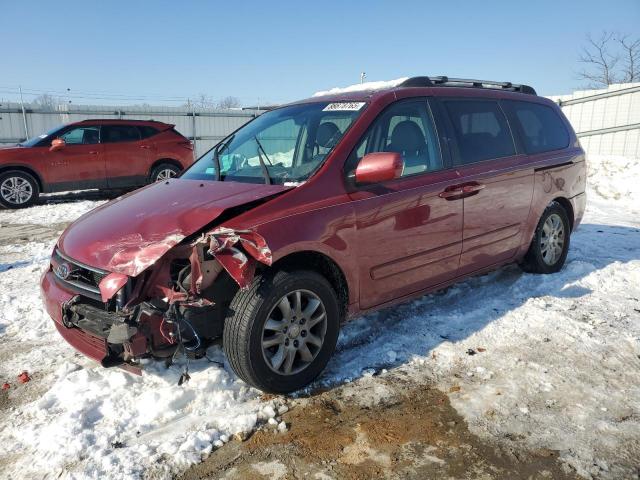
column 18, row 189
column 550, row 245
column 281, row 332
column 164, row 171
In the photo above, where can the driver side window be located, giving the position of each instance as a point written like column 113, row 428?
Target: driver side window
column 82, row 136
column 406, row 128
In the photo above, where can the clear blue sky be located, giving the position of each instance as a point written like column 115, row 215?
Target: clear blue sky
column 280, row 51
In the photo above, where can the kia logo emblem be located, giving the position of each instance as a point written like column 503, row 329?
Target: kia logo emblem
column 62, row 270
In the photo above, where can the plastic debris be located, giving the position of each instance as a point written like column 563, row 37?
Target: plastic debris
column 6, row 386
column 24, row 377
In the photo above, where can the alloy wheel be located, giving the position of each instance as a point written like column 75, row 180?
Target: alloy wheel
column 552, row 239
column 294, row 332
column 165, row 174
column 16, row 190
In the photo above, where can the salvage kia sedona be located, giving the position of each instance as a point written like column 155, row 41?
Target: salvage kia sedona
column 316, row 212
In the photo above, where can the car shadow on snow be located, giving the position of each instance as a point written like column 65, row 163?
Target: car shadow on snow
column 71, row 197
column 393, row 336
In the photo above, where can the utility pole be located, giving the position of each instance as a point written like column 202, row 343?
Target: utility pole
column 24, row 115
column 363, row 75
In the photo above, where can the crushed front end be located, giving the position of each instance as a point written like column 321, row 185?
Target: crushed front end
column 177, row 303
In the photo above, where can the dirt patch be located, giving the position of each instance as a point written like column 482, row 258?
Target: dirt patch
column 12, row 234
column 377, row 430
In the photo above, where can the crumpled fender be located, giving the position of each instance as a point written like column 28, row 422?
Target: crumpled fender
column 238, row 251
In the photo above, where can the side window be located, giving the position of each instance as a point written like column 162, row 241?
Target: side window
column 406, row 128
column 120, row 133
column 541, row 127
column 147, row 131
column 481, row 130
column 82, row 136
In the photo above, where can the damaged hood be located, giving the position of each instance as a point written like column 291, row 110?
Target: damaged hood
column 131, row 233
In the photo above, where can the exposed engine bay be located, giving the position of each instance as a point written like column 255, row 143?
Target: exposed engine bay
column 176, row 306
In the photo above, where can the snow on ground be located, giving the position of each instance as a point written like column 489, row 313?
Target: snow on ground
column 48, row 214
column 556, row 363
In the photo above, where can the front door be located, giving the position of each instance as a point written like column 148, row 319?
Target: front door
column 409, row 237
column 80, row 163
column 497, row 184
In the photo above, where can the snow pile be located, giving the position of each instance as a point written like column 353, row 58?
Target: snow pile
column 362, row 87
column 614, row 177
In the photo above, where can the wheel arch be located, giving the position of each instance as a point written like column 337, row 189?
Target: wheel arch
column 22, row 168
column 566, row 204
column 322, row 264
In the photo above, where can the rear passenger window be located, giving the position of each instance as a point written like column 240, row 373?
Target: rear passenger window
column 541, row 127
column 147, row 131
column 405, row 128
column 120, row 133
column 481, row 130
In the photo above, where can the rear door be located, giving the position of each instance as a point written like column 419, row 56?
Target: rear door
column 495, row 180
column 80, row 163
column 128, row 155
column 409, row 238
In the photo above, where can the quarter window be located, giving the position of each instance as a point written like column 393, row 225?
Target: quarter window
column 481, row 130
column 542, row 128
column 147, row 131
column 405, row 128
column 120, row 133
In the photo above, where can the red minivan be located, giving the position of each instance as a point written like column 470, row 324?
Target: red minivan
column 105, row 154
column 316, row 212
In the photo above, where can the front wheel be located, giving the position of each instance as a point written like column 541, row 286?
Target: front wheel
column 18, row 189
column 550, row 245
column 164, row 171
column 280, row 333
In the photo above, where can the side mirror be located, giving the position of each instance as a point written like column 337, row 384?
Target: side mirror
column 57, row 144
column 379, row 167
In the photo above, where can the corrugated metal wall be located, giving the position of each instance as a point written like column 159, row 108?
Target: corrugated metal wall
column 204, row 126
column 607, row 121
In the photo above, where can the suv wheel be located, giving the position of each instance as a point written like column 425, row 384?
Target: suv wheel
column 18, row 189
column 164, row 171
column 280, row 333
column 550, row 244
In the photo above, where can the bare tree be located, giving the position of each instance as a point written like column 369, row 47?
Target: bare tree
column 600, row 61
column 228, row 102
column 46, row 101
column 630, row 58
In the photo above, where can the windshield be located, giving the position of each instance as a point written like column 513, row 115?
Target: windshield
column 285, row 145
column 32, row 142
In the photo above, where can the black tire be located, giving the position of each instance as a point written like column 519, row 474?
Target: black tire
column 158, row 173
column 535, row 260
column 245, row 322
column 26, row 181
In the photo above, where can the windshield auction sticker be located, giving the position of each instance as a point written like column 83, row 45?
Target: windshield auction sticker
column 343, row 107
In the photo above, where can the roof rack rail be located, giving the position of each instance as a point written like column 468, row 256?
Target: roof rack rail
column 443, row 81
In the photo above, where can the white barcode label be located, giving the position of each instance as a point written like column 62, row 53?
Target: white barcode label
column 343, row 107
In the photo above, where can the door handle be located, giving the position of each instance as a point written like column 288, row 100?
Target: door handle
column 146, row 147
column 472, row 188
column 449, row 193
column 93, row 152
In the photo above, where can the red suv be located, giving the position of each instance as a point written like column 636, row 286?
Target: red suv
column 91, row 154
column 315, row 212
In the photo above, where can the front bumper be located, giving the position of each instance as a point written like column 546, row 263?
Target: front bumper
column 55, row 299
